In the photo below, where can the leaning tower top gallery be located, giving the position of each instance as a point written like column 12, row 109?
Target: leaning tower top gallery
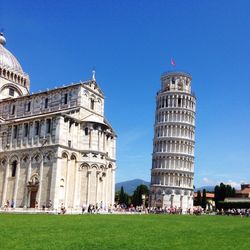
column 173, row 150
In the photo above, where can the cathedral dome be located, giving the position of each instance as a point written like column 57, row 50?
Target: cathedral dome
column 7, row 60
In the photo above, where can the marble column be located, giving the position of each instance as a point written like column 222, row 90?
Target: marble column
column 55, row 184
column 16, row 183
column 104, row 141
column 67, row 183
column 76, row 187
column 88, row 188
column 40, row 183
column 107, row 177
column 26, row 183
column 97, row 187
column 31, row 133
column 7, row 166
column 104, row 190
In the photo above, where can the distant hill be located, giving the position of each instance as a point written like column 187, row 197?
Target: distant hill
column 208, row 188
column 130, row 186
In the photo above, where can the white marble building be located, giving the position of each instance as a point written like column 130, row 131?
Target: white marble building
column 173, row 152
column 55, row 145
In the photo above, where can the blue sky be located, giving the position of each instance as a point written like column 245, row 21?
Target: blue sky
column 130, row 44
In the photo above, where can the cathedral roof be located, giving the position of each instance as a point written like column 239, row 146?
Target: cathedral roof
column 7, row 59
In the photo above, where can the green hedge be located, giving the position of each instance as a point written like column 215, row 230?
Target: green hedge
column 227, row 205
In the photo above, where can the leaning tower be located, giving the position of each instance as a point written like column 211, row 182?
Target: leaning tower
column 174, row 137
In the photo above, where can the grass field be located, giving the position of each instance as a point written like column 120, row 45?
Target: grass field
column 123, row 232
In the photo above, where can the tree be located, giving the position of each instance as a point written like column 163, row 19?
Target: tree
column 233, row 192
column 221, row 192
column 137, row 195
column 216, row 195
column 204, row 199
column 117, row 193
column 123, row 197
column 198, row 199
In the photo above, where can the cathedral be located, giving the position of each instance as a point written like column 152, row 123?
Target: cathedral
column 56, row 147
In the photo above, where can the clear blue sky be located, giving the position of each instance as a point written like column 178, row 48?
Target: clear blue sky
column 130, row 44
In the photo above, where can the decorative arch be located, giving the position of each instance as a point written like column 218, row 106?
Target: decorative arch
column 102, row 167
column 49, row 155
column 94, row 166
column 92, row 97
column 36, row 157
column 177, row 192
column 73, row 157
column 85, row 165
column 3, row 161
column 13, row 157
column 25, row 157
column 11, row 85
column 65, row 154
column 168, row 191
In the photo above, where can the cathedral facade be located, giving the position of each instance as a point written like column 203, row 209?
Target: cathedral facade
column 174, row 138
column 56, row 147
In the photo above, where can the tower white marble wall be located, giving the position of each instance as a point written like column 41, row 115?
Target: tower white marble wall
column 174, row 138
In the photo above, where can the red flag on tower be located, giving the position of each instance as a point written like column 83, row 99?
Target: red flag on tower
column 172, row 62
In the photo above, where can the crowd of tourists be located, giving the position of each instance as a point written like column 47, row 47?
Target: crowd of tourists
column 234, row 211
column 123, row 209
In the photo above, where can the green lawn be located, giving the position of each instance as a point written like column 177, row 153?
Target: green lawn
column 123, row 232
